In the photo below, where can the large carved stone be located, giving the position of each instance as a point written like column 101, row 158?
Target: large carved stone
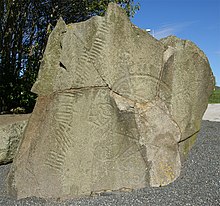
column 116, row 109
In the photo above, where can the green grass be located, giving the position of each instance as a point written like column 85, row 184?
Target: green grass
column 215, row 97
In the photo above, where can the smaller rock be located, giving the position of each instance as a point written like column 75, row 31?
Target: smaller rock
column 11, row 131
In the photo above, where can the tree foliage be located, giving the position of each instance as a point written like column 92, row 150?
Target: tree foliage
column 24, row 29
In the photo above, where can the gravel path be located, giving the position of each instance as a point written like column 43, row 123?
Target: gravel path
column 212, row 113
column 199, row 183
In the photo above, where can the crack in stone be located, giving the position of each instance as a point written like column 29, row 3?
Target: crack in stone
column 183, row 140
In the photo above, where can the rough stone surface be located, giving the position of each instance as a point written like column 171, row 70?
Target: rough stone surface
column 11, row 131
column 116, row 110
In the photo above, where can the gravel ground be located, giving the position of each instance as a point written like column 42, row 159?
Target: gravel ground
column 199, row 183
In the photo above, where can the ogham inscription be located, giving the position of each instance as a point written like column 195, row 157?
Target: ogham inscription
column 64, row 115
column 91, row 55
column 61, row 132
column 100, row 41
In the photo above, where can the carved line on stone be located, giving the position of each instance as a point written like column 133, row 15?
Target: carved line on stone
column 99, row 42
column 104, row 28
column 97, row 48
column 64, row 114
column 114, row 149
column 116, row 86
column 123, row 79
column 63, row 141
column 103, row 116
column 90, row 56
column 128, row 76
column 29, row 168
column 83, row 76
column 131, row 137
column 55, row 160
column 126, row 152
column 128, row 155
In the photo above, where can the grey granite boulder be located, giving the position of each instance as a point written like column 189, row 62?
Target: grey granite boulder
column 11, row 131
column 116, row 110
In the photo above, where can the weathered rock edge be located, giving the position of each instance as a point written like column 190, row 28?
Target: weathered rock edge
column 11, row 131
column 116, row 109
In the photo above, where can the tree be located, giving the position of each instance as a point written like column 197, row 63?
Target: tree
column 24, row 29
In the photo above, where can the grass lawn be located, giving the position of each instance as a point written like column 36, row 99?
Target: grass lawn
column 215, row 97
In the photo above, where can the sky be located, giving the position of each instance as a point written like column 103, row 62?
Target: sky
column 195, row 20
